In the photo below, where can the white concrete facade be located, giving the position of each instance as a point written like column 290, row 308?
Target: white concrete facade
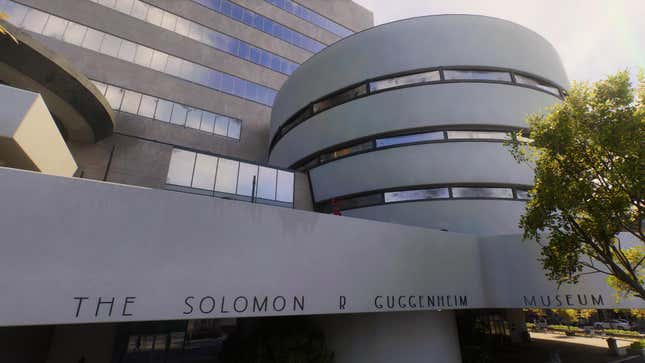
column 87, row 258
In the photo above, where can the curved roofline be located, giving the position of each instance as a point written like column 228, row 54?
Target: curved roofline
column 419, row 17
column 70, row 96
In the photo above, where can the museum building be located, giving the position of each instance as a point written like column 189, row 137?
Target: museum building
column 175, row 171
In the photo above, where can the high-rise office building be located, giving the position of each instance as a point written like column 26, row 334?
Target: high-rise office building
column 194, row 155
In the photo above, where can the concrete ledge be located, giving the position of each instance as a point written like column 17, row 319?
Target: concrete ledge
column 29, row 138
column 80, row 109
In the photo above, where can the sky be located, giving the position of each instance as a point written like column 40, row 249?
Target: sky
column 595, row 38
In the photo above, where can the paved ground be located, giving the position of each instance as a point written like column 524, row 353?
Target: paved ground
column 595, row 342
column 545, row 346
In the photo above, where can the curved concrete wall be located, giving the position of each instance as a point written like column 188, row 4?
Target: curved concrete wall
column 408, row 108
column 482, row 217
column 431, row 41
column 404, row 47
column 423, row 164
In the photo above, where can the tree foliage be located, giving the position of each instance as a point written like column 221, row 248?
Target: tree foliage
column 637, row 313
column 538, row 312
column 574, row 315
column 588, row 154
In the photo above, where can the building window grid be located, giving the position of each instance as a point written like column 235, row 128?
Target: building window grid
column 440, row 192
column 193, row 72
column 205, row 35
column 231, row 188
column 311, row 17
column 262, row 24
column 104, row 88
column 420, row 78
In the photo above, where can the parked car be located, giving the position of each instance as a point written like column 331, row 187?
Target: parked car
column 613, row 324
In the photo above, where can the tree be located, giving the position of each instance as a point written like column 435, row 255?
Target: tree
column 586, row 313
column 569, row 315
column 538, row 312
column 637, row 313
column 588, row 155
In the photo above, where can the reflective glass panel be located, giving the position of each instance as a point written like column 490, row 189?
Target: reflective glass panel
column 147, row 342
column 160, row 342
column 180, row 171
column 177, row 340
column 245, row 180
column 182, row 27
column 174, row 66
column 535, row 83
column 522, row 194
column 262, row 23
column 101, row 86
column 267, row 183
column 16, row 13
column 195, row 31
column 93, row 39
column 127, row 51
column 124, row 6
column 477, row 75
column 340, row 98
column 421, row 194
column 164, row 110
column 110, row 45
column 178, row 114
column 133, row 343
column 425, row 77
column 75, row 33
column 284, row 191
column 311, row 17
column 205, row 169
column 55, row 27
column 155, row 16
column 35, row 21
column 482, row 192
column 147, row 106
column 159, row 61
column 143, row 56
column 226, row 180
column 358, row 202
column 408, row 139
column 131, row 102
column 346, row 151
column 221, row 125
column 194, row 118
column 108, row 3
column 495, row 135
column 169, row 21
column 234, row 129
column 114, row 95
column 140, row 10
column 208, row 121
column 188, row 70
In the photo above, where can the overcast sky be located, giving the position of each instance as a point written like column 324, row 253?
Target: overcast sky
column 594, row 37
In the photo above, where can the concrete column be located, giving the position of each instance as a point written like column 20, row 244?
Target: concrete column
column 404, row 337
column 517, row 325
